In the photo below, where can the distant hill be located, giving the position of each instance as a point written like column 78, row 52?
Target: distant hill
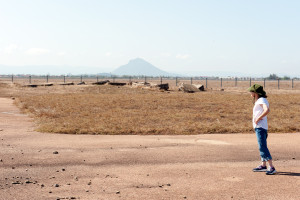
column 140, row 67
column 104, row 74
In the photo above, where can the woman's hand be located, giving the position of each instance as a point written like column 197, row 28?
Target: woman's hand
column 257, row 120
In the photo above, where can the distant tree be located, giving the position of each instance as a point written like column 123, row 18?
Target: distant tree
column 286, row 78
column 273, row 77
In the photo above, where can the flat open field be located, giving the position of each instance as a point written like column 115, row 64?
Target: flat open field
column 39, row 165
column 89, row 109
column 208, row 166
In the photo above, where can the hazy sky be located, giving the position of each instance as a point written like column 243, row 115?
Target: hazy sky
column 91, row 36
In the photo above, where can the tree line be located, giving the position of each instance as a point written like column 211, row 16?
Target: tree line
column 275, row 77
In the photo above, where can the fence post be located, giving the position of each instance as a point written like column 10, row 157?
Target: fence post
column 64, row 79
column 206, row 83
column 160, row 80
column 176, row 81
column 191, row 80
column 250, row 82
column 292, row 83
column 97, row 79
column 278, row 83
column 221, row 83
column 81, row 79
column 264, row 83
column 12, row 78
column 145, row 79
column 30, row 79
column 235, row 82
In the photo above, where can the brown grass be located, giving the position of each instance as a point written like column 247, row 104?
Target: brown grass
column 123, row 110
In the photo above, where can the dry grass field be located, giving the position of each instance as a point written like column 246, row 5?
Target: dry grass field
column 108, row 109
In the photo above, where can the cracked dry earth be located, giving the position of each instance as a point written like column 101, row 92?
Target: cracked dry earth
column 57, row 166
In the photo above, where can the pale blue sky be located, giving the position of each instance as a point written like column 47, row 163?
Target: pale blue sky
column 255, row 37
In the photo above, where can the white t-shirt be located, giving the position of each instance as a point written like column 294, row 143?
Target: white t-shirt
column 257, row 111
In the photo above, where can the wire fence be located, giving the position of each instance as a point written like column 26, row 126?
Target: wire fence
column 207, row 82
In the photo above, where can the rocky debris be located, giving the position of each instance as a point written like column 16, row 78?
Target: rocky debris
column 81, row 83
column 162, row 185
column 67, row 83
column 111, row 176
column 27, row 182
column 46, row 84
column 17, row 182
column 118, row 192
column 55, row 152
column 146, row 85
column 190, row 88
column 1, row 129
column 38, row 85
column 139, row 84
column 116, row 84
column 90, row 183
column 164, row 86
column 76, row 178
column 200, row 87
column 159, row 86
column 101, row 82
column 31, row 85
column 56, row 185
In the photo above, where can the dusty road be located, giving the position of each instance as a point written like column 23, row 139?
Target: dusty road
column 56, row 166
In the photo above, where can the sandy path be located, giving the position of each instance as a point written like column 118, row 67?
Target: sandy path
column 139, row 167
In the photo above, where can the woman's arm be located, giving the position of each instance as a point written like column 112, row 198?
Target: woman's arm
column 265, row 112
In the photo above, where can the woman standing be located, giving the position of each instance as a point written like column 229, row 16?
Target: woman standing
column 260, row 124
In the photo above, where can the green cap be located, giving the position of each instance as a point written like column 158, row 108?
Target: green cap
column 258, row 89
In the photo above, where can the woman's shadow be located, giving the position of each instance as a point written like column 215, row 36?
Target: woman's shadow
column 288, row 173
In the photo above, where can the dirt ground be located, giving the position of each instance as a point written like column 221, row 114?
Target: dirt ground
column 37, row 165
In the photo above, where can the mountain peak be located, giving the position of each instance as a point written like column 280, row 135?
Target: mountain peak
column 138, row 61
column 139, row 67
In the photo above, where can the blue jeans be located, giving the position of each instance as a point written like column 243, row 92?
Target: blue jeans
column 262, row 135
